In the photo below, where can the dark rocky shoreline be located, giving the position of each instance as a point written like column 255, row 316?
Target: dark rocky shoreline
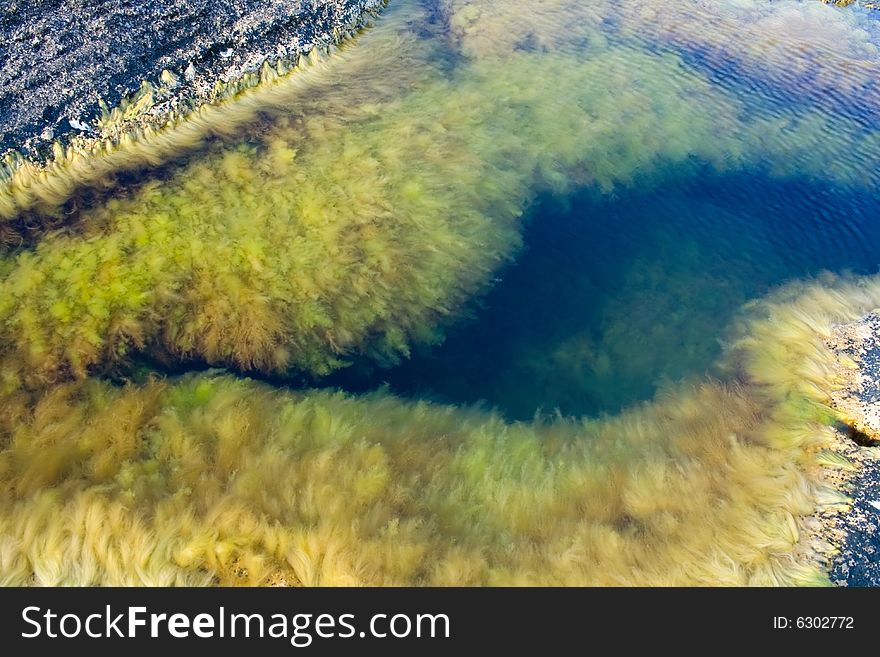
column 59, row 58
column 857, row 349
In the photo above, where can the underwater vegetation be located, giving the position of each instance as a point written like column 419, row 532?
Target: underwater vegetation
column 215, row 480
column 212, row 479
column 768, row 45
column 347, row 228
column 353, row 209
column 387, row 225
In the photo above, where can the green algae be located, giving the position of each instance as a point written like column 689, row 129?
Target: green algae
column 387, row 224
column 324, row 236
column 208, row 479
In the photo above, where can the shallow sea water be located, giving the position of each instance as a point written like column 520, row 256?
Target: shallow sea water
column 556, row 210
column 631, row 272
column 662, row 166
column 617, row 295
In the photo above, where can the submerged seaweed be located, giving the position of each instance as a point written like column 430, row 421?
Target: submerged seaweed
column 391, row 211
column 209, row 479
column 388, row 223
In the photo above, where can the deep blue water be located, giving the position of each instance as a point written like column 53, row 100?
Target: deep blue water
column 613, row 297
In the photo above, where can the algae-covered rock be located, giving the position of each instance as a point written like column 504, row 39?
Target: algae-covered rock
column 855, row 346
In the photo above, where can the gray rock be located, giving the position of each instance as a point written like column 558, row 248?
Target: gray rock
column 58, row 58
column 857, row 349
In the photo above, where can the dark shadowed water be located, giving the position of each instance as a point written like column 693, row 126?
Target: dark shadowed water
column 613, row 297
